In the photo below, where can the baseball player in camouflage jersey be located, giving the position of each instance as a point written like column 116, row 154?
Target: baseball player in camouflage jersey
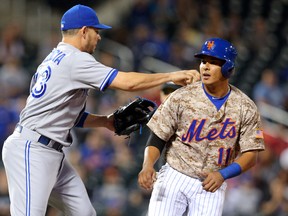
column 36, row 168
column 213, row 132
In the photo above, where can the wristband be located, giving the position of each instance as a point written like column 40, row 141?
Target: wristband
column 231, row 171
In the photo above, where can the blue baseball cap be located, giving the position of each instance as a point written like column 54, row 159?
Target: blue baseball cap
column 79, row 16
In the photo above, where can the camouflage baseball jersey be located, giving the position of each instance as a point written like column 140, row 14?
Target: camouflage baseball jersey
column 202, row 139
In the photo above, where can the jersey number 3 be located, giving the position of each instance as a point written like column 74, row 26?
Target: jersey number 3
column 40, row 86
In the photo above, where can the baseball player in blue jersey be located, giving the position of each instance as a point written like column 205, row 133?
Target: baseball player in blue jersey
column 212, row 132
column 37, row 171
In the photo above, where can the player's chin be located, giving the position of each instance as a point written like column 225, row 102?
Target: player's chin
column 206, row 80
column 91, row 51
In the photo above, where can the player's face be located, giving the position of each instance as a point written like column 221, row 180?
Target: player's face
column 210, row 70
column 92, row 39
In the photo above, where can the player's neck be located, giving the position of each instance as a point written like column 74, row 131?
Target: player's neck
column 217, row 91
column 72, row 41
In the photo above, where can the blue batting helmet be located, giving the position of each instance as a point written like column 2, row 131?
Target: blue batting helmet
column 220, row 49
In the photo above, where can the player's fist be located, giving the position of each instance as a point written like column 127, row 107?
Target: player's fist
column 212, row 181
column 185, row 77
column 147, row 177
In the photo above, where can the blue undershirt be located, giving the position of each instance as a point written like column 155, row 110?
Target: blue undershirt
column 218, row 102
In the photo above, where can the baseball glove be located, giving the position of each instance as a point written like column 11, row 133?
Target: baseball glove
column 133, row 116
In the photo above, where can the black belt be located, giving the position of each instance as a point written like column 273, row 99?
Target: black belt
column 45, row 140
column 42, row 139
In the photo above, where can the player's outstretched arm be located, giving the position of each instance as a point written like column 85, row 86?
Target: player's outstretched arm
column 147, row 175
column 133, row 81
column 214, row 180
column 89, row 120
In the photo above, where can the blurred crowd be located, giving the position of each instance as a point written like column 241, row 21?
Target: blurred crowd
column 170, row 31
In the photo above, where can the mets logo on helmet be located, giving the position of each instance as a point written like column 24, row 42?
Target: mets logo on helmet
column 210, row 45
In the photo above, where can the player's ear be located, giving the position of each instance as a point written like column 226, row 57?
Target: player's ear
column 84, row 31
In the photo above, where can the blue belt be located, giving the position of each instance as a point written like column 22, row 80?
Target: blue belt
column 42, row 139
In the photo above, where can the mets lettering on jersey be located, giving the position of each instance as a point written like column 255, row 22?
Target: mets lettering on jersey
column 196, row 128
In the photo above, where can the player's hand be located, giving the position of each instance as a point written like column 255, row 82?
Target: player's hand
column 212, row 181
column 147, row 177
column 185, row 77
